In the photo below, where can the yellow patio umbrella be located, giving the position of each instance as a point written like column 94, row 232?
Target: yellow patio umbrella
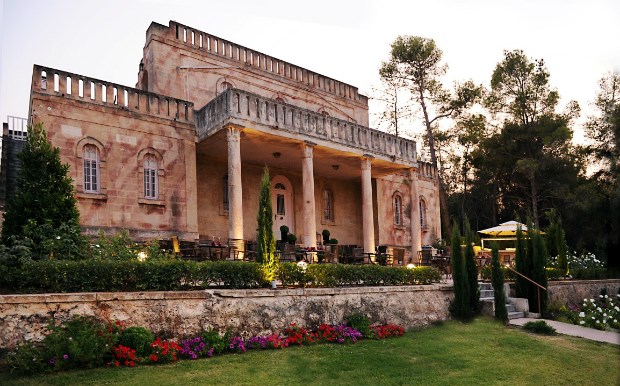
column 506, row 229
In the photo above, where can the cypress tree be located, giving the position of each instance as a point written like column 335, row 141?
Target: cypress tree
column 44, row 208
column 461, row 306
column 266, row 242
column 521, row 285
column 538, row 273
column 472, row 269
column 497, row 279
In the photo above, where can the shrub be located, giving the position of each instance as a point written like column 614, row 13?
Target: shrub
column 137, row 338
column 213, row 339
column 602, row 313
column 539, row 327
column 387, row 331
column 27, row 358
column 361, row 323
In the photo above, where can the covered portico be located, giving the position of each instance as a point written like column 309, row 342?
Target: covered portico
column 305, row 151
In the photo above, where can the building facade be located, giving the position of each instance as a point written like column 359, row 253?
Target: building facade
column 182, row 153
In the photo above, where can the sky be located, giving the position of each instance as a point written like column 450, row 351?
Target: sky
column 345, row 40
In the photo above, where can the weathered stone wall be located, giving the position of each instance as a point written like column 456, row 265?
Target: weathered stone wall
column 247, row 312
column 574, row 291
column 212, row 64
column 124, row 131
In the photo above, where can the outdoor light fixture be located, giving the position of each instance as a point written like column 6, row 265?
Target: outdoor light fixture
column 141, row 256
column 303, row 265
column 410, row 266
column 277, row 154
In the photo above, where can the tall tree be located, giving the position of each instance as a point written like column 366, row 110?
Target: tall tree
column 44, row 208
column 521, row 95
column 266, row 242
column 497, row 278
column 461, row 307
column 472, row 269
column 603, row 129
column 417, row 62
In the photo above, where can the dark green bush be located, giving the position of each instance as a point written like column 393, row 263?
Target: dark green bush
column 213, row 339
column 137, row 338
column 361, row 323
column 539, row 327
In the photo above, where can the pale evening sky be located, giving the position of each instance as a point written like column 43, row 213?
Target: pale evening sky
column 345, row 40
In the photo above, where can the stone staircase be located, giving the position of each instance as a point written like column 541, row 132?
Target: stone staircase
column 514, row 306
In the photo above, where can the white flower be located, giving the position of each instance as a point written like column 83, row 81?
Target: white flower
column 57, row 237
column 582, row 314
column 599, row 309
column 604, row 315
column 593, row 318
column 581, row 322
column 616, row 308
column 615, row 320
column 606, row 296
column 600, row 296
column 598, row 321
column 591, row 300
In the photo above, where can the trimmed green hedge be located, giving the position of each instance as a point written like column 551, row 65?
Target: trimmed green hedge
column 49, row 276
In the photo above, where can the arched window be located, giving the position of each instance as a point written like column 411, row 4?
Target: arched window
column 398, row 209
column 328, row 205
column 225, row 204
column 423, row 219
column 91, row 169
column 151, row 183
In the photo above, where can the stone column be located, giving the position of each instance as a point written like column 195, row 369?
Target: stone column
column 367, row 215
column 235, row 199
column 416, row 235
column 309, row 207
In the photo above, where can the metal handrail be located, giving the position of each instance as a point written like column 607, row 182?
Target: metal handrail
column 531, row 281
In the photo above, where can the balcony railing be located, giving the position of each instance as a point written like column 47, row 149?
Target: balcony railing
column 242, row 105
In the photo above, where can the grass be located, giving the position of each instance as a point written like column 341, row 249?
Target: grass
column 455, row 353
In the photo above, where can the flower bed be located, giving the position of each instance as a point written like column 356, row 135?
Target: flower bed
column 89, row 342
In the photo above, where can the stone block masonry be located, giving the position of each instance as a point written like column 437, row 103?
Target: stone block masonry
column 247, row 312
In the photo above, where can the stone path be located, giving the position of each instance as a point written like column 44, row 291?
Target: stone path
column 574, row 330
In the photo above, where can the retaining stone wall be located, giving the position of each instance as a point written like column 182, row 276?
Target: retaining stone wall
column 263, row 311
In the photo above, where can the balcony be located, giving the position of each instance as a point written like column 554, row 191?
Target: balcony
column 272, row 117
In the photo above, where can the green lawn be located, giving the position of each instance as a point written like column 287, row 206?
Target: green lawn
column 480, row 352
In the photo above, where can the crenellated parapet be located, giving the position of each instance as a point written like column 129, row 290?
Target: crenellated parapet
column 249, row 58
column 234, row 104
column 426, row 170
column 55, row 82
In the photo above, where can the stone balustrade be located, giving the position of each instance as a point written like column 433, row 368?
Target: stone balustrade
column 252, row 58
column 312, row 125
column 78, row 87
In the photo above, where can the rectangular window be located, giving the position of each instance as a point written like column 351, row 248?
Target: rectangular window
column 91, row 169
column 150, row 177
column 280, row 210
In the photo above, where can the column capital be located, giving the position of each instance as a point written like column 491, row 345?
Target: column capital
column 367, row 161
column 308, row 149
column 233, row 132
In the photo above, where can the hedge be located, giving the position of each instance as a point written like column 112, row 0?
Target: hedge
column 60, row 276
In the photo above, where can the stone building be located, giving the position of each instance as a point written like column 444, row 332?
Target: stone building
column 182, row 153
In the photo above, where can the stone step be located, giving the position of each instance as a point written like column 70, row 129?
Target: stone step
column 510, row 308
column 516, row 315
column 485, row 286
column 485, row 293
column 487, row 299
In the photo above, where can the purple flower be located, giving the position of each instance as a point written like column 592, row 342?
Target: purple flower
column 65, row 357
column 52, row 361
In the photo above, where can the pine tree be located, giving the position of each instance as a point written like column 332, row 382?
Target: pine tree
column 472, row 269
column 44, row 208
column 461, row 306
column 497, row 279
column 266, row 241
